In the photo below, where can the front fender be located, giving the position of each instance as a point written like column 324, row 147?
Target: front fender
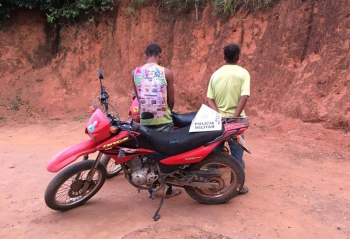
column 68, row 155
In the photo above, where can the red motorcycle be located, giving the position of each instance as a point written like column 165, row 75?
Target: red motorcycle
column 150, row 160
column 179, row 120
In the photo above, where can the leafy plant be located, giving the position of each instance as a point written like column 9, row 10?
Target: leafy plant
column 130, row 10
column 138, row 2
column 229, row 7
column 14, row 105
column 55, row 10
column 184, row 5
column 58, row 10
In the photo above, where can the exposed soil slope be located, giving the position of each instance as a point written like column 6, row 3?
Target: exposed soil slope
column 298, row 55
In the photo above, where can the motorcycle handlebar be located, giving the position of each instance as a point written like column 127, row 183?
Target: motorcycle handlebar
column 140, row 128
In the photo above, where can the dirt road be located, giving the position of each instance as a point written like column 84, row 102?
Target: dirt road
column 298, row 176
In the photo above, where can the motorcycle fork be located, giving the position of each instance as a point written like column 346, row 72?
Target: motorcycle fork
column 86, row 157
column 91, row 173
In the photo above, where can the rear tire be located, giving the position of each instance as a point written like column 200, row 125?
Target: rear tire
column 231, row 180
column 112, row 168
column 64, row 190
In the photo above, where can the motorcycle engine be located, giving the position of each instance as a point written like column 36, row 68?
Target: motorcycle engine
column 142, row 173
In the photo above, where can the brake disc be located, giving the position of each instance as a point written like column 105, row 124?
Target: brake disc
column 76, row 186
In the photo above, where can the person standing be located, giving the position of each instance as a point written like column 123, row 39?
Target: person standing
column 154, row 87
column 228, row 93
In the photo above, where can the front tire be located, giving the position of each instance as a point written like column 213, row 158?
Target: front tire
column 64, row 192
column 230, row 182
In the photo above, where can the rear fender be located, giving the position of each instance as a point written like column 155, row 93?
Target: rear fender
column 70, row 154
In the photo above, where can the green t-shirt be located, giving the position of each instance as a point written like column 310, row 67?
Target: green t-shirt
column 226, row 87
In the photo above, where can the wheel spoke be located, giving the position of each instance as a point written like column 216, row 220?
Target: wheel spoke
column 221, row 169
column 70, row 191
column 225, row 182
column 70, row 188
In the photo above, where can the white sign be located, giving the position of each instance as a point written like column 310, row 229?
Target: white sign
column 206, row 119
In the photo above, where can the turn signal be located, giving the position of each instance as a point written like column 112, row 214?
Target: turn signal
column 113, row 129
column 93, row 108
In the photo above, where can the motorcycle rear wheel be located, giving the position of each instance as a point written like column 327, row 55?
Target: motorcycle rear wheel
column 230, row 182
column 64, row 190
column 112, row 168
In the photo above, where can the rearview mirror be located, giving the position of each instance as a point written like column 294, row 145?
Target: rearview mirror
column 100, row 74
column 147, row 115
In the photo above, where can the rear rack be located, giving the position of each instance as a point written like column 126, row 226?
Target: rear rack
column 242, row 122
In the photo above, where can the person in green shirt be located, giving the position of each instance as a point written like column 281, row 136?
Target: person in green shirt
column 228, row 93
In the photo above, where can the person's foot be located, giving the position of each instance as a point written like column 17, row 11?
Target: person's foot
column 244, row 190
column 174, row 193
column 149, row 194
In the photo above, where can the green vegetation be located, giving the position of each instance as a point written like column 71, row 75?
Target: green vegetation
column 54, row 10
column 136, row 4
column 14, row 105
column 130, row 10
column 81, row 118
column 229, row 7
column 223, row 8
column 184, row 4
column 59, row 10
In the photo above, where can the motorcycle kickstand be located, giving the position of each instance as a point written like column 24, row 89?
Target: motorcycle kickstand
column 156, row 215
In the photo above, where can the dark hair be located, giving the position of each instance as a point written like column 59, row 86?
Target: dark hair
column 231, row 53
column 153, row 50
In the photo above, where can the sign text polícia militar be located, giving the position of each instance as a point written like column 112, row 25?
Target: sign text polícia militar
column 206, row 119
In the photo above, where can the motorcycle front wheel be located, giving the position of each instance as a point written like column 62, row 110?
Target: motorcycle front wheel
column 112, row 168
column 65, row 192
column 230, row 181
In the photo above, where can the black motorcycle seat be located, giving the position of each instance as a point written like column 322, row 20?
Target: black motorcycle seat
column 181, row 140
column 183, row 120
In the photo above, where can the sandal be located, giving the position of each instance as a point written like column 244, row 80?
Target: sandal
column 244, row 190
column 174, row 193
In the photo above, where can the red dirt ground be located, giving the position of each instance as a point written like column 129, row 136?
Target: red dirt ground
column 297, row 175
